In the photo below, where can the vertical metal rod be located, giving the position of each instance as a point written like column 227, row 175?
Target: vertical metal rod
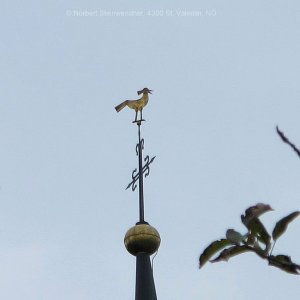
column 141, row 191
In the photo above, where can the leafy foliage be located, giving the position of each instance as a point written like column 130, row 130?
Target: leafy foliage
column 281, row 225
column 257, row 240
column 230, row 252
column 211, row 250
column 235, row 237
column 284, row 263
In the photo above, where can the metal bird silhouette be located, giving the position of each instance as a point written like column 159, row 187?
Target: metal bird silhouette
column 137, row 105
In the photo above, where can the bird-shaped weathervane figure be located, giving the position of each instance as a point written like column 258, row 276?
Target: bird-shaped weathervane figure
column 137, row 105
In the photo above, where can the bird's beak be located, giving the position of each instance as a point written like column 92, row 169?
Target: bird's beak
column 150, row 91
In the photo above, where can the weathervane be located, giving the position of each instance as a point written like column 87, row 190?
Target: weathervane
column 141, row 240
column 138, row 106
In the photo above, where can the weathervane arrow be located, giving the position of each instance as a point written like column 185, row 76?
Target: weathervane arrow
column 145, row 169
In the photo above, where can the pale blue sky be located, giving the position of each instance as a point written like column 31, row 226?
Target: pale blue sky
column 221, row 84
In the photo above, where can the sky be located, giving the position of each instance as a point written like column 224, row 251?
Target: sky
column 224, row 74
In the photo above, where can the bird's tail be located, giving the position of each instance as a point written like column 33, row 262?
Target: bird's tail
column 121, row 106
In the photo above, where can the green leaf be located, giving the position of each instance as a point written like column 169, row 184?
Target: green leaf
column 235, row 237
column 211, row 250
column 263, row 234
column 230, row 252
column 259, row 251
column 284, row 263
column 254, row 212
column 281, row 225
column 258, row 231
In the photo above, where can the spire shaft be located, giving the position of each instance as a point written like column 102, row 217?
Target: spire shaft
column 145, row 287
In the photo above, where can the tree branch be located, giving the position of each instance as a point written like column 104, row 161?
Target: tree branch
column 286, row 140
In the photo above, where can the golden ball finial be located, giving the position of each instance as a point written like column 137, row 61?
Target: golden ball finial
column 142, row 238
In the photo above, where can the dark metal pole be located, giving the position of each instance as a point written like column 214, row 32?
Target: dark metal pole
column 141, row 188
column 138, row 174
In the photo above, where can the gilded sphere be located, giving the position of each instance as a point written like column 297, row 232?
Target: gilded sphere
column 142, row 238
